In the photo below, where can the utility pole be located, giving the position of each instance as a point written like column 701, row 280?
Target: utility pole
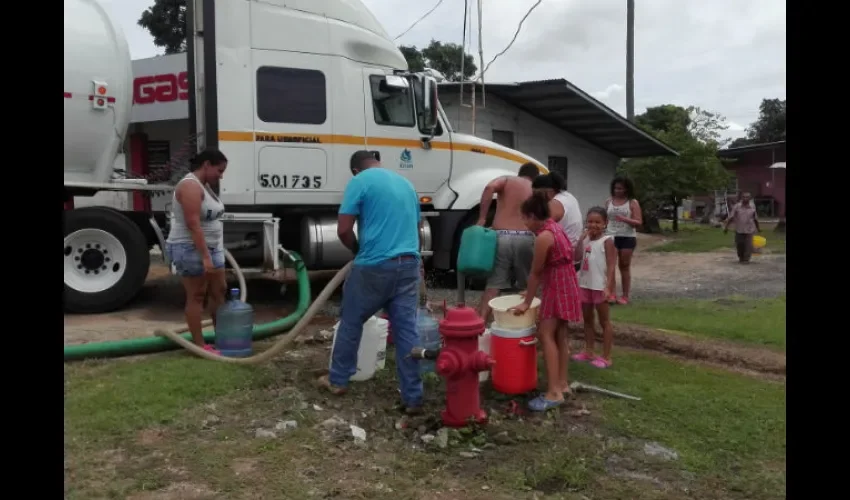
column 630, row 60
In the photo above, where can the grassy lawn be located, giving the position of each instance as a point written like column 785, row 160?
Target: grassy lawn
column 174, row 427
column 751, row 321
column 693, row 238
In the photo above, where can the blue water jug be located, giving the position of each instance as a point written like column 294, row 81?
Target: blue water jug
column 234, row 327
column 477, row 253
column 429, row 336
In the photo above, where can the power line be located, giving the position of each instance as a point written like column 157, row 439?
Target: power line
column 512, row 40
column 419, row 20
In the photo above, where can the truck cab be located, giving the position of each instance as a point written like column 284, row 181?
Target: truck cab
column 290, row 89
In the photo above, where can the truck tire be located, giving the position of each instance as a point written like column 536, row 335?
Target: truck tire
column 106, row 260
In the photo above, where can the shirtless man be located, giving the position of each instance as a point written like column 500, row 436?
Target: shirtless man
column 516, row 242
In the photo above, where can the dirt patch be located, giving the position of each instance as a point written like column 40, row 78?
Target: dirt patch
column 725, row 354
column 177, row 491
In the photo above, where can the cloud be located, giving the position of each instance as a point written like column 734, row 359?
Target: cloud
column 603, row 95
column 724, row 56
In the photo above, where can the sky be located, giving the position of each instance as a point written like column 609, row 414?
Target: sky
column 724, row 56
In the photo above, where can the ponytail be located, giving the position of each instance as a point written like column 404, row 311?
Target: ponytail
column 536, row 207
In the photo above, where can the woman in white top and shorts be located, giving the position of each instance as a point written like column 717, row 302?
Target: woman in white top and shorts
column 624, row 217
column 195, row 243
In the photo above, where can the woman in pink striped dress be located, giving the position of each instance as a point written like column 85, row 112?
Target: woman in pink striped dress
column 560, row 301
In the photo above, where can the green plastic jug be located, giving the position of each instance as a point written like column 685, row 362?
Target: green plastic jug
column 477, row 253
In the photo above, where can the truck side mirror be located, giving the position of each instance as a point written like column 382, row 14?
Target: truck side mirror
column 430, row 103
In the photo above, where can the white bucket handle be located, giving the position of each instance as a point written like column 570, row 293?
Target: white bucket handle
column 528, row 343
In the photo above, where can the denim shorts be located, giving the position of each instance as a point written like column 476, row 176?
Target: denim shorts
column 188, row 261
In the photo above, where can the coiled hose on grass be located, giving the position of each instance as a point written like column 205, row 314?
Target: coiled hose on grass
column 278, row 346
column 166, row 340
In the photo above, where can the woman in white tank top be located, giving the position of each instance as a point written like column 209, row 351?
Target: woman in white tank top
column 196, row 239
column 624, row 217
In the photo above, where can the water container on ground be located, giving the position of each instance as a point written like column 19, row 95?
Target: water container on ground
column 234, row 327
column 371, row 355
column 515, row 353
column 429, row 337
column 477, row 252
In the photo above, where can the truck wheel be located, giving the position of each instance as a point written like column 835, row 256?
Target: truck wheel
column 106, row 260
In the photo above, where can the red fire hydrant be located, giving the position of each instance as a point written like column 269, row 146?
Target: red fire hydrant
column 459, row 361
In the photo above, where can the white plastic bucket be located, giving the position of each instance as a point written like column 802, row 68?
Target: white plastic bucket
column 372, row 353
column 503, row 318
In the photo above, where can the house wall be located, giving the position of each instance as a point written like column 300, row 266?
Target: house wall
column 589, row 168
column 753, row 175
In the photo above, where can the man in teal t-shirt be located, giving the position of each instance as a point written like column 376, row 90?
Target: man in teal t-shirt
column 385, row 274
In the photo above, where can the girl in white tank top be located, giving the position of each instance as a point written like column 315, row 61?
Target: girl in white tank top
column 596, row 283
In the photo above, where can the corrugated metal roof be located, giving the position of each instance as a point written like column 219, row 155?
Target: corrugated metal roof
column 566, row 106
column 764, row 146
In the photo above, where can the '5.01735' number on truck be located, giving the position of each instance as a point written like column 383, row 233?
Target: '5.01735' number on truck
column 275, row 181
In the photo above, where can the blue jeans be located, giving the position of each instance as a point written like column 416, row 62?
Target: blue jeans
column 392, row 285
column 187, row 259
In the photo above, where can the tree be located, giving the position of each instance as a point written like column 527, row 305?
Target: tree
column 165, row 20
column 443, row 57
column 415, row 60
column 659, row 181
column 768, row 127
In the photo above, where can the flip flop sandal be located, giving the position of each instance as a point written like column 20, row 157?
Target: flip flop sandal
column 612, row 299
column 583, row 356
column 623, row 301
column 324, row 382
column 211, row 349
column 540, row 404
column 601, row 363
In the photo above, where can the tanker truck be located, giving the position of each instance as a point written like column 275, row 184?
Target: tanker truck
column 288, row 90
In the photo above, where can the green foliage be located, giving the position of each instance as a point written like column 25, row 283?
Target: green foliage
column 696, row 135
column 768, row 127
column 443, row 57
column 415, row 60
column 165, row 20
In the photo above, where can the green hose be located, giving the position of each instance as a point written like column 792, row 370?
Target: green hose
column 147, row 345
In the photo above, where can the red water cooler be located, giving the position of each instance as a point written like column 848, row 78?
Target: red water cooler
column 515, row 354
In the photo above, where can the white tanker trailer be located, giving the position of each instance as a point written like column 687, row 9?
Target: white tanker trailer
column 106, row 250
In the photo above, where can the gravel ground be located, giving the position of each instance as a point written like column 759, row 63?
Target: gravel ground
column 688, row 275
column 654, row 276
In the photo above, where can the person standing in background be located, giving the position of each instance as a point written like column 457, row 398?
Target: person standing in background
column 746, row 221
column 624, row 217
column 385, row 274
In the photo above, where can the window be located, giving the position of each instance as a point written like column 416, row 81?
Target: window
column 391, row 106
column 504, row 137
column 291, row 95
column 558, row 164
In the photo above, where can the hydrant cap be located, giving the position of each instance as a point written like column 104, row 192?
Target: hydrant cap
column 461, row 322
